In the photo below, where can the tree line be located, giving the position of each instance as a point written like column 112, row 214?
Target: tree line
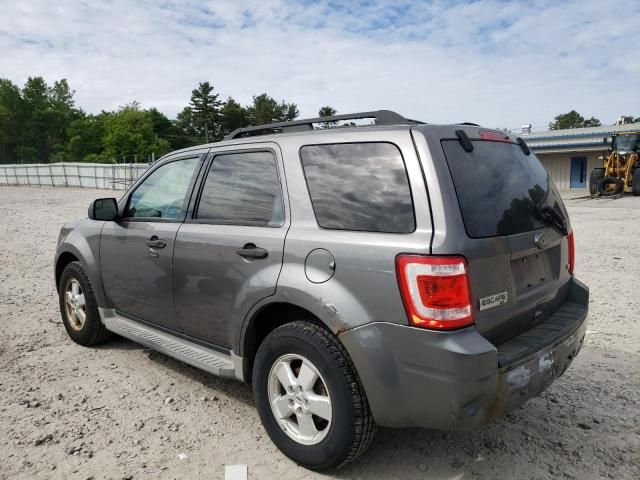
column 41, row 123
column 573, row 119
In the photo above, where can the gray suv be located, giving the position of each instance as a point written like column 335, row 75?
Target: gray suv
column 395, row 274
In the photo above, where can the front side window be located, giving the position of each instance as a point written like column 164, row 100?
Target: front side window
column 163, row 194
column 242, row 189
column 359, row 186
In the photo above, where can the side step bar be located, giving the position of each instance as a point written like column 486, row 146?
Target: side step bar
column 207, row 359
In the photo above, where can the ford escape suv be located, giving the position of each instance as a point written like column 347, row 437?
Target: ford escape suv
column 397, row 274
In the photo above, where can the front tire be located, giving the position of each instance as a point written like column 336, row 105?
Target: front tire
column 635, row 182
column 79, row 308
column 309, row 397
column 610, row 186
column 597, row 174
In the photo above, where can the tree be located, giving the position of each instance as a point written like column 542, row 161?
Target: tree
column 327, row 111
column 168, row 130
column 232, row 116
column 630, row 119
column 185, row 124
column 162, row 126
column 11, row 120
column 129, row 131
column 263, row 110
column 573, row 119
column 34, row 141
column 205, row 106
column 61, row 113
column 34, row 121
column 40, row 122
column 266, row 109
column 85, row 138
column 61, row 96
column 591, row 122
column 288, row 111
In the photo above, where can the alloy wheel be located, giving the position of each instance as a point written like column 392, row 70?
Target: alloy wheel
column 299, row 399
column 75, row 305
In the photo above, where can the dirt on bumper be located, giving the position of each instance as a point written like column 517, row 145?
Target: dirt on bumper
column 527, row 379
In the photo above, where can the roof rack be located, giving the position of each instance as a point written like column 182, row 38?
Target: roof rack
column 382, row 117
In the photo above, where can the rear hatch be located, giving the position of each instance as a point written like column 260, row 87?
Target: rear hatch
column 516, row 227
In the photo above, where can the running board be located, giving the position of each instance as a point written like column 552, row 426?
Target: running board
column 207, row 359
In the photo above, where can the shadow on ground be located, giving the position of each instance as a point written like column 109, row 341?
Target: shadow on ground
column 233, row 388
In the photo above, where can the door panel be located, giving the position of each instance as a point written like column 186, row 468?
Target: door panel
column 136, row 252
column 213, row 285
column 229, row 256
column 136, row 277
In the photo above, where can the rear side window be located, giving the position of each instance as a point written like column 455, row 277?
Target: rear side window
column 242, row 189
column 359, row 186
column 498, row 188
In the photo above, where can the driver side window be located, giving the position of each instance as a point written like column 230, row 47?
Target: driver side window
column 163, row 193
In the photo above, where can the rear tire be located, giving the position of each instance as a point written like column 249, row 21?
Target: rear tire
column 597, row 174
column 635, row 182
column 79, row 308
column 609, row 186
column 304, row 346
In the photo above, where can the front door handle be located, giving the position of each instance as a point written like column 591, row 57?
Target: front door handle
column 155, row 242
column 251, row 251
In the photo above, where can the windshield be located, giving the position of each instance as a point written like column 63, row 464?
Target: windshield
column 626, row 143
column 500, row 189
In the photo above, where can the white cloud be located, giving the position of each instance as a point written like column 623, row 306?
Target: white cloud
column 496, row 63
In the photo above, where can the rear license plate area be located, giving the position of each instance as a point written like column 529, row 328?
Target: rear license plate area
column 535, row 270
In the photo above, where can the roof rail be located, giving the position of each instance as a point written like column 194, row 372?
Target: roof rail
column 382, row 117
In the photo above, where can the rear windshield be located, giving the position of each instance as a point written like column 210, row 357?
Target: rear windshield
column 498, row 188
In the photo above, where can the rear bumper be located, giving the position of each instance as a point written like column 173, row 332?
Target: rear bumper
column 452, row 380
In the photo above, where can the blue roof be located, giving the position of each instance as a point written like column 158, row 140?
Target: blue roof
column 595, row 138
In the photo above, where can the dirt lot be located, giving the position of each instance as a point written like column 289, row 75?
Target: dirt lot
column 120, row 411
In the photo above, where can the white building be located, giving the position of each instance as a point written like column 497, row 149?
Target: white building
column 570, row 155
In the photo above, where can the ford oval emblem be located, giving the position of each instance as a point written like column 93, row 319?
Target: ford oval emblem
column 542, row 240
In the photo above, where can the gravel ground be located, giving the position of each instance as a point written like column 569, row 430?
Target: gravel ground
column 121, row 411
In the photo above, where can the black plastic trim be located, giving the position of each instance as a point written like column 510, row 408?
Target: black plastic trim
column 464, row 141
column 523, row 146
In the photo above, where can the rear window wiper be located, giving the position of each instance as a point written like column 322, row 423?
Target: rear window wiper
column 552, row 217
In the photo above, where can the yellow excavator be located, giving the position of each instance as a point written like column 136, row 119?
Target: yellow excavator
column 621, row 171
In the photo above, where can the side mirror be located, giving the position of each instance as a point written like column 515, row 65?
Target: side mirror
column 103, row 209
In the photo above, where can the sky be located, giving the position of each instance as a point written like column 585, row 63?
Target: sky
column 496, row 63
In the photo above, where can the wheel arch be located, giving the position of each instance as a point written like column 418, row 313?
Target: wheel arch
column 262, row 321
column 64, row 259
column 330, row 305
column 76, row 248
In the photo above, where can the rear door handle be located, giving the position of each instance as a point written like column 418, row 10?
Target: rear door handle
column 251, row 251
column 155, row 242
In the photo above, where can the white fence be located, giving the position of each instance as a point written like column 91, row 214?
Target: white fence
column 87, row 175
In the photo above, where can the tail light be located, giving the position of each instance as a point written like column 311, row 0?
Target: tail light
column 572, row 250
column 435, row 291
